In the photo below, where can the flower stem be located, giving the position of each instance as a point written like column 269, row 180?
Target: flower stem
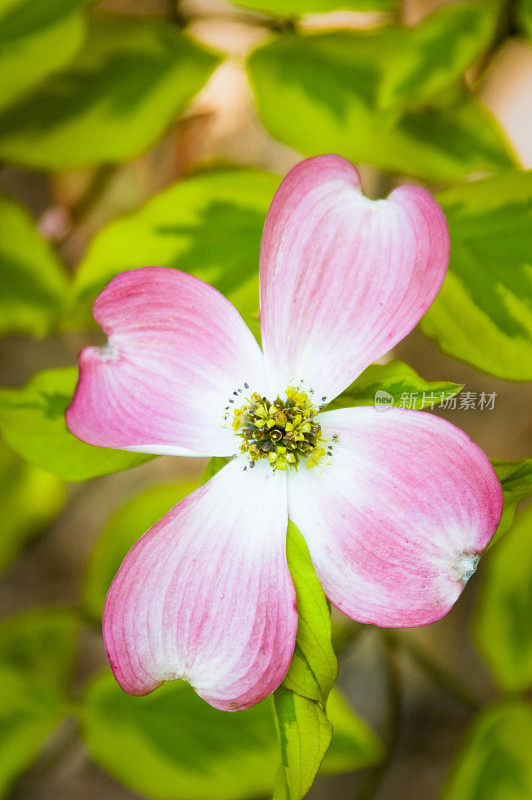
column 507, row 25
column 394, row 679
column 97, row 187
column 446, row 681
column 174, row 13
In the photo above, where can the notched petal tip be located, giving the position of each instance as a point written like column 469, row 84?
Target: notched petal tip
column 315, row 168
column 344, row 278
column 176, row 350
column 464, row 567
column 107, row 352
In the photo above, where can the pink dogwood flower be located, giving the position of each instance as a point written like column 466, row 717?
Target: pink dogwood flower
column 395, row 507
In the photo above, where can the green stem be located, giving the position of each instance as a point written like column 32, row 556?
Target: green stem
column 174, row 13
column 449, row 683
column 347, row 635
column 255, row 19
column 85, row 618
column 507, row 26
column 372, row 784
column 65, row 743
column 98, row 185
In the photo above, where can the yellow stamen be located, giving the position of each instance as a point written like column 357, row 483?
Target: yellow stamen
column 284, row 432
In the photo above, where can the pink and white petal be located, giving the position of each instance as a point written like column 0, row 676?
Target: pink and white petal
column 177, row 352
column 206, row 594
column 396, row 523
column 343, row 278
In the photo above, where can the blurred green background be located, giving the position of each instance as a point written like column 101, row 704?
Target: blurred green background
column 137, row 132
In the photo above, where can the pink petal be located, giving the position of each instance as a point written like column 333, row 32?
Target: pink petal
column 395, row 524
column 177, row 352
column 206, row 594
column 343, row 278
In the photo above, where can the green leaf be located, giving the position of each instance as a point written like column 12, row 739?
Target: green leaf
column 304, row 730
column 314, row 666
column 433, row 57
column 215, row 465
column 33, row 284
column 40, row 647
column 494, row 762
column 171, row 745
column 129, row 81
column 305, row 734
column 411, row 65
column 516, row 482
column 502, row 623
column 188, row 227
column 383, row 97
column 483, row 312
column 36, row 660
column 36, row 39
column 124, row 528
column 29, row 499
column 401, row 385
column 304, row 727
column 32, row 421
column 296, row 8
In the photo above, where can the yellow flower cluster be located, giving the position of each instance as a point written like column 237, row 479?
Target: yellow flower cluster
column 284, row 432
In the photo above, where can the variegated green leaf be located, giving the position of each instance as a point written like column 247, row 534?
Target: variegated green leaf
column 37, row 653
column 36, row 38
column 129, row 81
column 209, row 225
column 32, row 421
column 171, row 745
column 395, row 384
column 483, row 313
column 392, row 98
column 502, row 622
column 296, row 8
column 516, row 482
column 494, row 760
column 33, row 284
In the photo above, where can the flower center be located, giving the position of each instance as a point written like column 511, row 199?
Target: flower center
column 285, row 432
